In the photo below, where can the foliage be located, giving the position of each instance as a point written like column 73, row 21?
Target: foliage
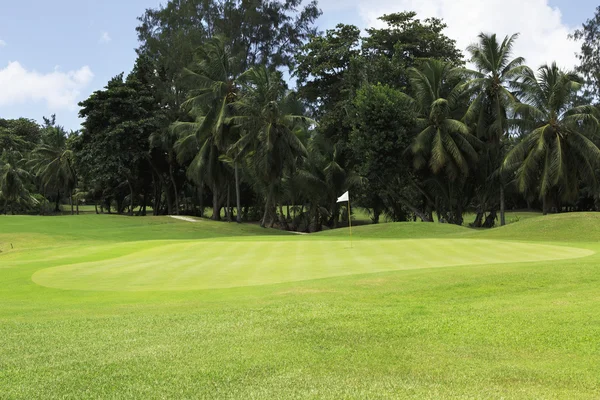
column 589, row 55
column 384, row 121
column 113, row 148
column 404, row 43
column 555, row 155
column 206, row 118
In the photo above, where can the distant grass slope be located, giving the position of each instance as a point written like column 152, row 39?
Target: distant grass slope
column 30, row 231
column 567, row 227
column 397, row 230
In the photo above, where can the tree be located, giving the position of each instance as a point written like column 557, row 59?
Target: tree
column 269, row 137
column 328, row 71
column 488, row 112
column 589, row 55
column 555, row 155
column 214, row 78
column 384, row 121
column 13, row 182
column 444, row 144
column 404, row 43
column 258, row 31
column 261, row 31
column 114, row 145
column 327, row 162
column 20, row 135
column 53, row 162
column 332, row 69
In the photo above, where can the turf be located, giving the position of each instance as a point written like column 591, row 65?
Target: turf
column 188, row 265
column 93, row 306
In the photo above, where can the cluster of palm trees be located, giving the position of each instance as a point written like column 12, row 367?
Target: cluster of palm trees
column 499, row 126
column 246, row 119
column 28, row 178
column 504, row 123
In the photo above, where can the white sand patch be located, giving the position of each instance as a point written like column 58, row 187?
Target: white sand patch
column 182, row 218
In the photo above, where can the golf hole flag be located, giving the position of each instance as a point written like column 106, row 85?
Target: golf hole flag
column 343, row 198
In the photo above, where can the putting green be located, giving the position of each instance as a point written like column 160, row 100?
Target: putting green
column 189, row 265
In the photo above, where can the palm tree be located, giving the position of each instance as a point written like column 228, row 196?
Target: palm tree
column 555, row 155
column 206, row 167
column 444, row 143
column 165, row 140
column 215, row 80
column 13, row 181
column 494, row 74
column 270, row 132
column 53, row 163
column 330, row 178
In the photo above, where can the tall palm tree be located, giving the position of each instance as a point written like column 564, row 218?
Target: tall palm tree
column 165, row 140
column 13, row 182
column 444, row 143
column 491, row 81
column 270, row 132
column 555, row 154
column 214, row 79
column 330, row 178
column 199, row 147
column 53, row 163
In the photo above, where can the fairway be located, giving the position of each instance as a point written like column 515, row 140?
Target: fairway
column 101, row 306
column 216, row 264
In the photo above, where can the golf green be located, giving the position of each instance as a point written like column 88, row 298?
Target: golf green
column 211, row 264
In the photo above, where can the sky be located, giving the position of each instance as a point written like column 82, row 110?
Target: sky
column 55, row 54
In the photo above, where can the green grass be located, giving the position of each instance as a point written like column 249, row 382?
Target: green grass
column 99, row 306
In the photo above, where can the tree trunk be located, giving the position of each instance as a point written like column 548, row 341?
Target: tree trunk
column 144, row 201
column 490, row 220
column 334, row 215
column 77, row 205
column 71, row 202
column 478, row 220
column 502, row 216
column 376, row 215
column 201, row 199
column 263, row 223
column 545, row 204
column 237, row 194
column 216, row 209
column 174, row 189
column 130, row 197
column 282, row 220
column 424, row 216
column 228, row 209
column 96, row 206
column 57, row 207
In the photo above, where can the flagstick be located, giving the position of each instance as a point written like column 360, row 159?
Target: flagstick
column 350, row 220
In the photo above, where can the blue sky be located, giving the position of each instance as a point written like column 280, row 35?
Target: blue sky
column 54, row 54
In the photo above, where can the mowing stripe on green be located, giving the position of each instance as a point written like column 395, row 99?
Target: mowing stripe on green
column 191, row 265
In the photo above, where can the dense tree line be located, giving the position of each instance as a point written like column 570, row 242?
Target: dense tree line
column 398, row 115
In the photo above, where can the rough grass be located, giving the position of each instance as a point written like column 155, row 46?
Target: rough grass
column 503, row 330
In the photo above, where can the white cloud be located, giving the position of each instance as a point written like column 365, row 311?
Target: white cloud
column 544, row 36
column 60, row 90
column 2, row 43
column 105, row 37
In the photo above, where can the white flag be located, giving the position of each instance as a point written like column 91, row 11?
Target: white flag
column 343, row 197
